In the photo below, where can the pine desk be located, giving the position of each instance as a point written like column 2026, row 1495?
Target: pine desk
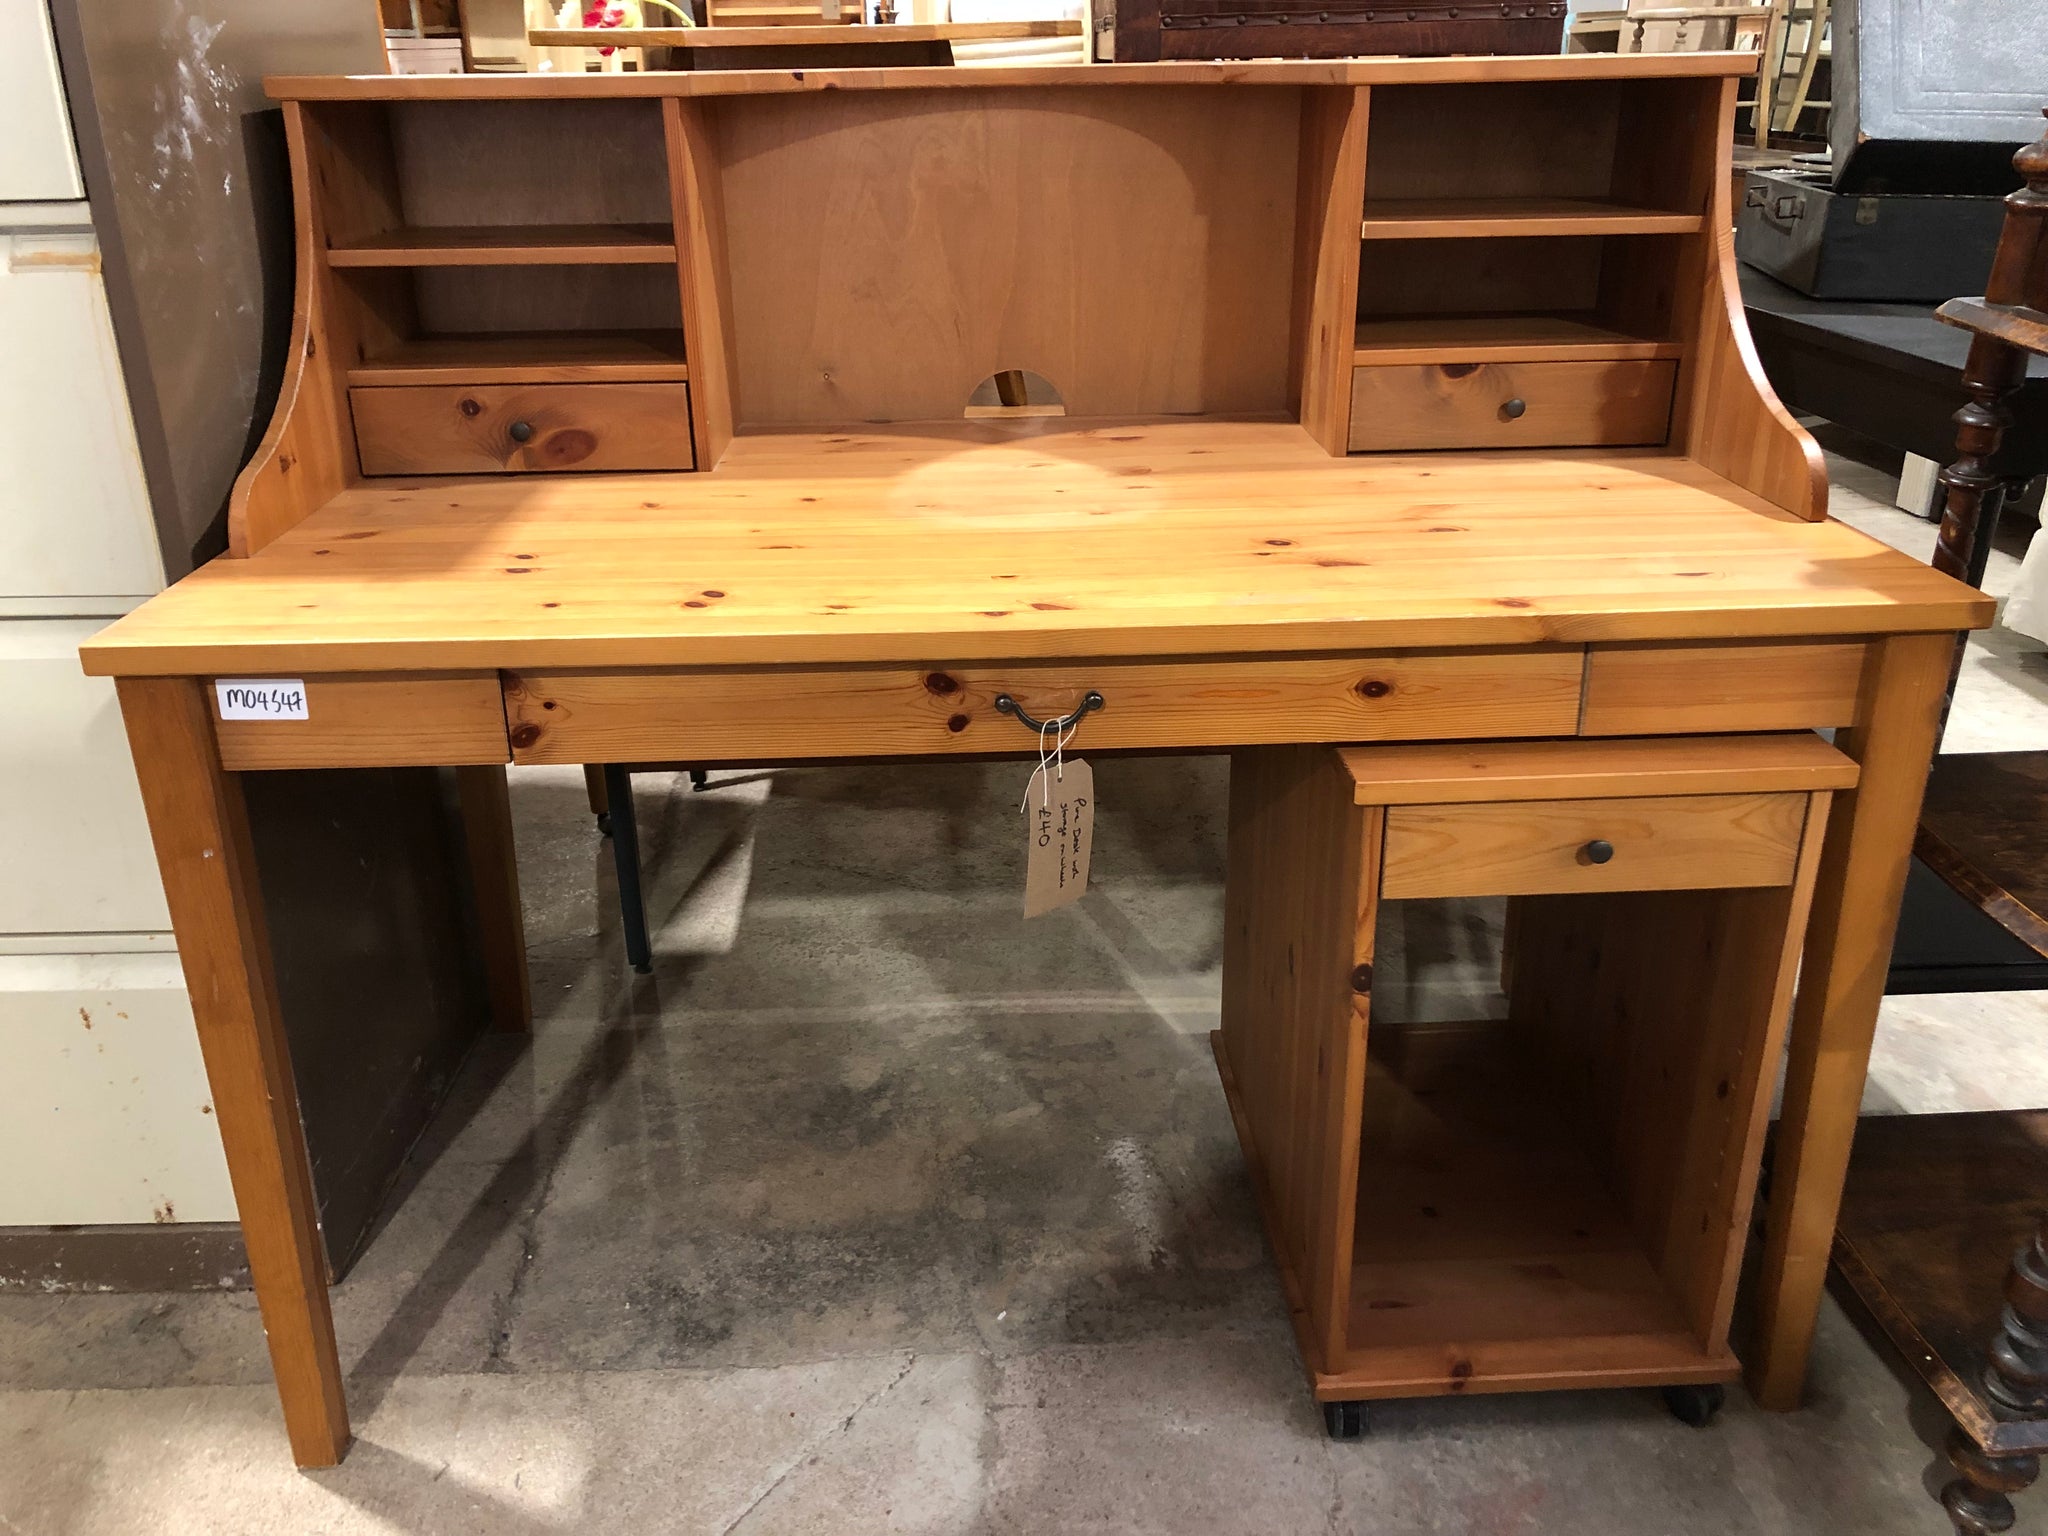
column 1404, row 400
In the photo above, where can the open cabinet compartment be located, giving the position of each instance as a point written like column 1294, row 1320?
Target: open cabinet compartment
column 1545, row 1183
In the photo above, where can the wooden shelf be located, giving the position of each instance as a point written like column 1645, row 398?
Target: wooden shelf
column 1476, row 218
column 1485, row 1231
column 1500, row 339
column 530, row 357
column 511, row 245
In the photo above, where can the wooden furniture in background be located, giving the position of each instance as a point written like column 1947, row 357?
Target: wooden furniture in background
column 1141, row 31
column 1558, row 1197
column 819, row 281
column 738, row 41
column 1936, row 1193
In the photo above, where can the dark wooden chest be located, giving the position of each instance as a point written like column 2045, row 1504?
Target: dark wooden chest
column 1144, row 30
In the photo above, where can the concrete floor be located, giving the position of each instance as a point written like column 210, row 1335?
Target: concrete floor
column 872, row 1211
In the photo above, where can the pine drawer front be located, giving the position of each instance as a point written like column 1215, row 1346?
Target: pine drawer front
column 373, row 720
column 1654, row 690
column 1402, row 406
column 1655, row 843
column 421, row 429
column 737, row 715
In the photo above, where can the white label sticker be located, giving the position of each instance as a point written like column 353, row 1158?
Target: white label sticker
column 1059, row 810
column 261, row 698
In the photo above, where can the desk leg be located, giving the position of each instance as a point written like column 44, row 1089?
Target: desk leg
column 201, row 832
column 494, row 876
column 1848, row 948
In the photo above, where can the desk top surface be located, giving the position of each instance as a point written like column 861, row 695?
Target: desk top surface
column 784, row 81
column 977, row 541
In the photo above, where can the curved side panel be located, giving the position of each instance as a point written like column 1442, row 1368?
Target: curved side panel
column 301, row 462
column 1735, row 425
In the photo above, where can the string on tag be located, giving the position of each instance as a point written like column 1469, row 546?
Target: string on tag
column 1063, row 732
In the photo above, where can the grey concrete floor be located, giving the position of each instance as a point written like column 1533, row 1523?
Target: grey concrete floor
column 875, row 1210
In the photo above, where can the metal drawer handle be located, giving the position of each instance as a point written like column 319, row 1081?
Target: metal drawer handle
column 520, row 431
column 1515, row 408
column 1005, row 705
column 1598, row 851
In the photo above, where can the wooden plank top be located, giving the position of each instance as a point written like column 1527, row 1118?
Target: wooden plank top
column 760, row 82
column 989, row 540
column 834, row 33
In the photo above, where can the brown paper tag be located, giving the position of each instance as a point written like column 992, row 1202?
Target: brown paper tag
column 1059, row 817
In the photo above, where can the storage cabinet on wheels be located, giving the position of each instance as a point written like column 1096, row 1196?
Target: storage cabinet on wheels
column 1554, row 1195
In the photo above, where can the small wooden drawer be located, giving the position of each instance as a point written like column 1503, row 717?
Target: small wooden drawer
column 1651, row 843
column 375, row 720
column 493, row 428
column 1511, row 405
column 1646, row 690
column 739, row 714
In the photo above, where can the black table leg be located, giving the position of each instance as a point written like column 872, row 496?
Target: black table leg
column 618, row 789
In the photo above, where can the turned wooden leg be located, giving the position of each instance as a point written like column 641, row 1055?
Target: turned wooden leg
column 1979, row 1501
column 201, row 831
column 1848, row 949
column 494, row 876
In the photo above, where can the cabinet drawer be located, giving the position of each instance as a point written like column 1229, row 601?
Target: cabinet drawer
column 739, row 714
column 1659, row 843
column 1645, row 690
column 419, row 429
column 1511, row 405
column 388, row 720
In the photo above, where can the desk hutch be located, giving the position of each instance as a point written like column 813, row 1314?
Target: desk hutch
column 1399, row 401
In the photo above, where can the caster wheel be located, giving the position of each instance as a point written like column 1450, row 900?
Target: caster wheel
column 604, row 823
column 1345, row 1421
column 1697, row 1406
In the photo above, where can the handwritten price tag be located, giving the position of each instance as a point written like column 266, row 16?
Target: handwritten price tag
column 261, row 698
column 1060, row 834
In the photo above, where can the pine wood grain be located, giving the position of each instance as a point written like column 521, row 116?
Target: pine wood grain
column 1849, row 941
column 1633, row 690
column 371, row 720
column 1419, row 71
column 897, row 251
column 1487, row 218
column 697, row 205
column 1330, row 191
column 1660, row 842
column 494, row 878
column 439, row 429
column 1448, row 774
column 508, row 245
column 200, row 828
column 710, row 716
column 1299, row 915
column 904, row 545
column 1500, row 339
column 1466, row 405
column 529, row 357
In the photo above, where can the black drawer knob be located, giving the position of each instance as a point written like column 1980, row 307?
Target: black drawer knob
column 1514, row 408
column 1598, row 851
column 520, row 431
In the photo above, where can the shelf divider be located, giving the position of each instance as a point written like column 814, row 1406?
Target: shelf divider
column 511, row 245
column 530, row 357
column 1480, row 218
column 1522, row 338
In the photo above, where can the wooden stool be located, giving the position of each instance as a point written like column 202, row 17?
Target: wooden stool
column 1554, row 1199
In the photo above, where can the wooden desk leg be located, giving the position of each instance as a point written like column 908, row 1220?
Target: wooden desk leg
column 201, row 831
column 1848, row 949
column 494, row 875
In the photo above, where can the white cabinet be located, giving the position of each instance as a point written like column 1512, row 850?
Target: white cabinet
column 75, row 520
column 109, row 1118
column 37, row 164
column 72, row 835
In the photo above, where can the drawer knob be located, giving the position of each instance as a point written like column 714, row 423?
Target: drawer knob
column 1514, row 408
column 520, row 431
column 1598, row 851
